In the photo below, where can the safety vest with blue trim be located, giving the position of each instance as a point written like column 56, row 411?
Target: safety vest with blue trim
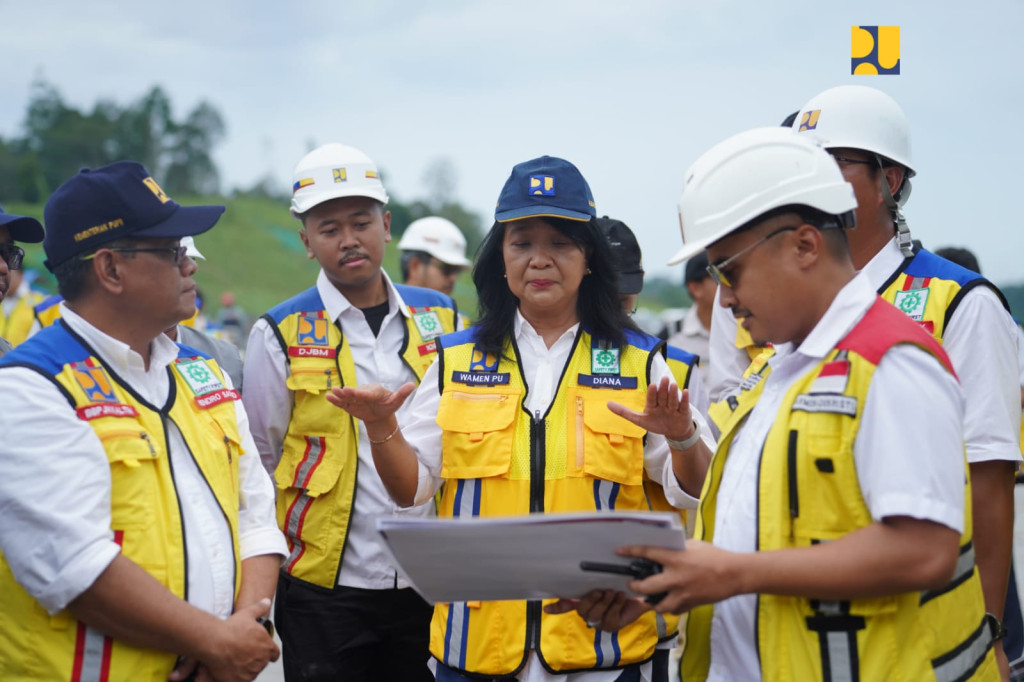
column 808, row 493
column 48, row 311
column 144, row 506
column 16, row 326
column 500, row 460
column 316, row 476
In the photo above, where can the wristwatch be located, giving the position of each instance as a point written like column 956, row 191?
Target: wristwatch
column 995, row 626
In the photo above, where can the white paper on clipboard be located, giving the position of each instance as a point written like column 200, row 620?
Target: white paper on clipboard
column 523, row 557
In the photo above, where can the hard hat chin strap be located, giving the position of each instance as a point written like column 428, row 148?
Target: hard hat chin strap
column 903, row 237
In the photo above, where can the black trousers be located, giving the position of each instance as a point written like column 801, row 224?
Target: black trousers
column 351, row 635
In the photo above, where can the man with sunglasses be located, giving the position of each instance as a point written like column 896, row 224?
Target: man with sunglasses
column 867, row 133
column 145, row 545
column 14, row 228
column 433, row 254
column 833, row 515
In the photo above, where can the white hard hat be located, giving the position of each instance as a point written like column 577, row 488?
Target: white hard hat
column 333, row 171
column 437, row 236
column 858, row 117
column 190, row 248
column 752, row 173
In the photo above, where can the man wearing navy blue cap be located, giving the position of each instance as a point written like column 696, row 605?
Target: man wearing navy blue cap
column 145, row 547
column 14, row 228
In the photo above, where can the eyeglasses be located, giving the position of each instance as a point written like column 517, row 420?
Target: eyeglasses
column 446, row 269
column 12, row 255
column 717, row 270
column 179, row 252
column 846, row 159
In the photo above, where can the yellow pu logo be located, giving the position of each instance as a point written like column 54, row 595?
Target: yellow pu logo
column 156, row 190
column 875, row 50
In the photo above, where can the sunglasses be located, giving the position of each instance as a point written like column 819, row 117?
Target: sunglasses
column 717, row 270
column 13, row 255
column 178, row 252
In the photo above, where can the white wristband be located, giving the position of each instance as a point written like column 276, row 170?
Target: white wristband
column 685, row 444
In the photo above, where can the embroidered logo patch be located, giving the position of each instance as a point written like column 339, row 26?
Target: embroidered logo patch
column 199, row 376
column 312, row 330
column 604, row 360
column 832, row 378
column 428, row 324
column 90, row 412
column 482, row 362
column 912, row 302
column 606, row 381
column 94, row 381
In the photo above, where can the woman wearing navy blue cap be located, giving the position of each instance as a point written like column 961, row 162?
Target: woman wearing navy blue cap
column 14, row 228
column 514, row 418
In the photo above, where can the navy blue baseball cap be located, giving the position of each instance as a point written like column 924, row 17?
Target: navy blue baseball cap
column 121, row 200
column 22, row 228
column 545, row 187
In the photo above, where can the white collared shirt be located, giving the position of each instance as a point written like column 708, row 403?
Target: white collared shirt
column 907, row 451
column 694, row 338
column 365, row 563
column 55, row 480
column 542, row 368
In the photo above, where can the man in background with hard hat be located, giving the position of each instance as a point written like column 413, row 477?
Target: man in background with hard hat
column 14, row 228
column 342, row 611
column 867, row 133
column 837, row 501
column 433, row 254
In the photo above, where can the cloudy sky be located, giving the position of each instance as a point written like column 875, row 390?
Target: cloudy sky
column 631, row 93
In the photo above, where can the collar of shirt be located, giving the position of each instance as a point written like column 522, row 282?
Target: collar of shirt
column 335, row 302
column 526, row 335
column 881, row 266
column 541, row 366
column 692, row 326
column 846, row 309
column 125, row 362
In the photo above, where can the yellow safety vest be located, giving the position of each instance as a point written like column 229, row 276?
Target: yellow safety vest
column 16, row 326
column 808, row 492
column 48, row 311
column 500, row 460
column 316, row 475
column 144, row 505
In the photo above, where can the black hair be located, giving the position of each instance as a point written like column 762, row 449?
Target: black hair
column 960, row 256
column 597, row 306
column 406, row 259
column 831, row 227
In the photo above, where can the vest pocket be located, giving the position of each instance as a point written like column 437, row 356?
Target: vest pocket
column 606, row 446
column 310, row 462
column 478, row 432
column 133, row 477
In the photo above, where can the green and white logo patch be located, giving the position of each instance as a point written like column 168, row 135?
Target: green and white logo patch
column 428, row 323
column 604, row 360
column 199, row 376
column 912, row 302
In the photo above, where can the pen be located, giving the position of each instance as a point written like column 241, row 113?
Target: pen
column 638, row 569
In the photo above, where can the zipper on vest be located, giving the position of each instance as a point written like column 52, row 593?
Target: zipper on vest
column 479, row 397
column 537, row 455
column 149, row 442
column 579, row 431
column 794, row 498
column 328, row 373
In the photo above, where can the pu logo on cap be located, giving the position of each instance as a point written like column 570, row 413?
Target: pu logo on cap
column 542, row 185
column 94, row 381
column 875, row 50
column 809, row 120
column 340, row 175
column 157, row 191
column 312, row 330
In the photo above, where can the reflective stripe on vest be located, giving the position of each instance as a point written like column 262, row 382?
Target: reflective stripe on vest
column 965, row 658
column 837, row 636
column 467, row 503
column 964, row 570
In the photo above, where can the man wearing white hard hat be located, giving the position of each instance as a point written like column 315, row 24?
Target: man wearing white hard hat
column 867, row 133
column 834, row 510
column 226, row 354
column 343, row 611
column 433, row 254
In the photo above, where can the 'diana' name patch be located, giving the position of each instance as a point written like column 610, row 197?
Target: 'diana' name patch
column 606, row 381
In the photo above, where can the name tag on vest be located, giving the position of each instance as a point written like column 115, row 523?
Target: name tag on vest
column 90, row 412
column 207, row 401
column 837, row 404
column 606, row 381
column 480, row 378
column 311, row 352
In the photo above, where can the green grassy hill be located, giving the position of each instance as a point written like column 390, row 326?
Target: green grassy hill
column 254, row 252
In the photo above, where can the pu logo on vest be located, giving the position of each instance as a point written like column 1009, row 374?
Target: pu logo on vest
column 203, row 382
column 482, row 362
column 483, row 371
column 912, row 302
column 313, row 338
column 428, row 324
column 94, row 381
